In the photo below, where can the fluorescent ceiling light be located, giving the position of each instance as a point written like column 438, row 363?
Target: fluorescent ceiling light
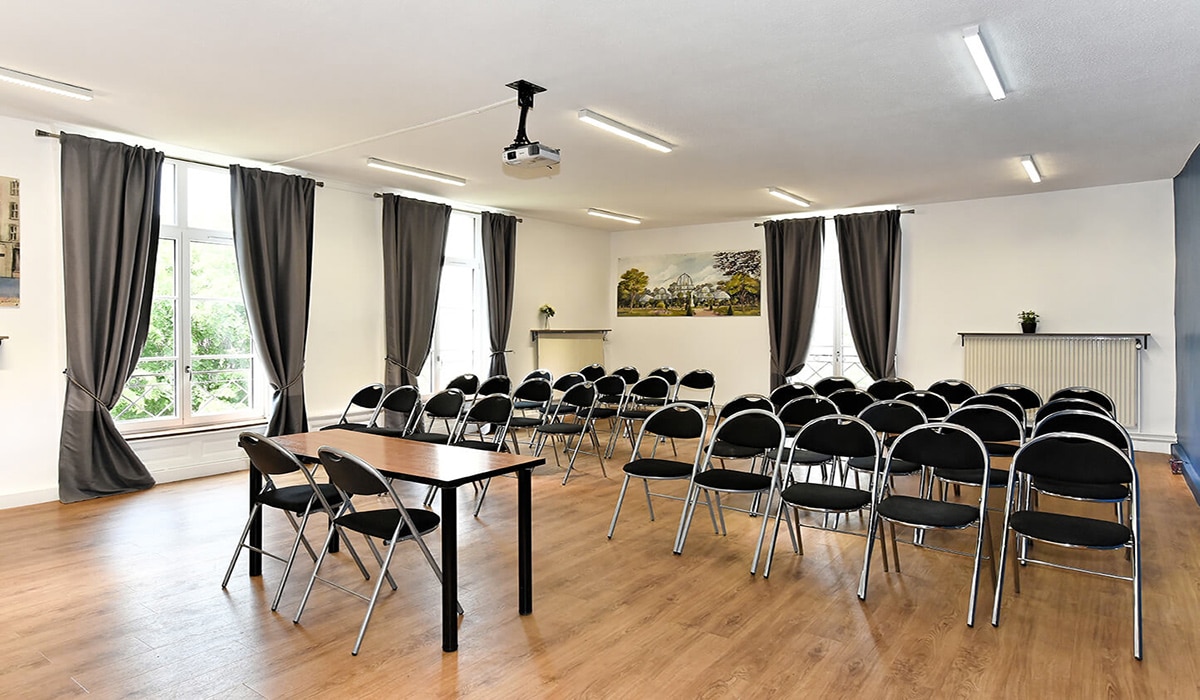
column 983, row 62
column 415, row 172
column 45, row 84
column 1031, row 169
column 587, row 116
column 789, row 197
column 614, row 216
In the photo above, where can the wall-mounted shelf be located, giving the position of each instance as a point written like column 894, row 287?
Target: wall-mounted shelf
column 1142, row 338
column 603, row 332
column 3, row 338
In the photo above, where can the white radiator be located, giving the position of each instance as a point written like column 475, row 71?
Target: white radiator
column 1047, row 363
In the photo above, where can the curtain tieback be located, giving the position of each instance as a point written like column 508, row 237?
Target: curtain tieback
column 84, row 389
column 500, row 352
column 401, row 365
column 289, row 385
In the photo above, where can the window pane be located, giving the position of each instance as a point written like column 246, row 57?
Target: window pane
column 460, row 238
column 166, row 196
column 208, row 199
column 160, row 341
column 149, row 393
column 164, row 269
column 220, row 328
column 221, row 385
column 214, row 273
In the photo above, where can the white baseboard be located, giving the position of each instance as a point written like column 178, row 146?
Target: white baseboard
column 1149, row 442
column 28, row 498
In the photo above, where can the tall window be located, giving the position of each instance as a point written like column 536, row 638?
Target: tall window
column 198, row 364
column 460, row 336
column 831, row 350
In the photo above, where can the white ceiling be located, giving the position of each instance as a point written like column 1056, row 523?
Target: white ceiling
column 848, row 104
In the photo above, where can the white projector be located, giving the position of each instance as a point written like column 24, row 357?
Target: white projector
column 531, row 155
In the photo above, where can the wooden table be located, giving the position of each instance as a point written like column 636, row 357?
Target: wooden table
column 447, row 468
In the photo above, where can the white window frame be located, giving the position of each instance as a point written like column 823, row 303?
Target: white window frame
column 841, row 357
column 434, row 376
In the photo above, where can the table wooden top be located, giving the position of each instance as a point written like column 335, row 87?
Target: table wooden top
column 409, row 460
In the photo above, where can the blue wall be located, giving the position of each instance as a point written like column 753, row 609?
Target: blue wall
column 1187, row 318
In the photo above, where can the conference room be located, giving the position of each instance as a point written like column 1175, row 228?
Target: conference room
column 1072, row 196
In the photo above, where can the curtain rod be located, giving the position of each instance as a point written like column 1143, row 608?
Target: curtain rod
column 47, row 134
column 379, row 195
column 902, row 211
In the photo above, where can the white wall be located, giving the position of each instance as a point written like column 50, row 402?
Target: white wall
column 735, row 349
column 1098, row 260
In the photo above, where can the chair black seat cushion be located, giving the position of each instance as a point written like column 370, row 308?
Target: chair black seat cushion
column 486, row 445
column 802, row 456
column 1070, row 529
column 561, row 428
column 997, row 478
column 603, row 413
column 435, row 438
column 525, row 422
column 825, row 497
column 345, row 426
column 382, row 523
column 733, row 480
column 389, row 432
column 1001, row 449
column 636, row 413
column 659, row 469
column 900, row 467
column 295, row 498
column 698, row 403
column 727, row 450
column 524, row 405
column 924, row 512
column 1089, row 492
column 565, row 409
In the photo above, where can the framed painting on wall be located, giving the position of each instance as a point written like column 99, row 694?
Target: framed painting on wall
column 715, row 283
column 10, row 241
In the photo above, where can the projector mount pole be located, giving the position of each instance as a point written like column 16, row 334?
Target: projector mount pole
column 525, row 92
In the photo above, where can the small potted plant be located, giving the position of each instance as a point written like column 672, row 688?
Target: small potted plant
column 1028, row 321
column 547, row 313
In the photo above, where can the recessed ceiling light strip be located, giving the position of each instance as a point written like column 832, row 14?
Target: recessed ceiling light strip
column 415, row 172
column 605, row 214
column 789, row 197
column 1031, row 169
column 983, row 61
column 45, row 84
column 613, row 126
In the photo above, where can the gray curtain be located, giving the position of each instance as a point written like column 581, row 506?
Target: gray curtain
column 110, row 242
column 499, row 260
column 414, row 246
column 793, row 270
column 869, row 247
column 273, row 237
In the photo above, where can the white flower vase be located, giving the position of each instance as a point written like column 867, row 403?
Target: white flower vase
column 545, row 322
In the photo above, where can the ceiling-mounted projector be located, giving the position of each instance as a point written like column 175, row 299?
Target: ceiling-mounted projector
column 522, row 152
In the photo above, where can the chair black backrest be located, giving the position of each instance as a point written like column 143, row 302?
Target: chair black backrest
column 447, row 403
column 745, row 402
column 784, row 393
column 494, row 408
column 402, row 399
column 534, row 389
column 1088, row 394
column 581, row 395
column 266, row 456
column 754, row 428
column 955, row 391
column 1067, row 404
column 851, row 402
column 803, row 409
column 1028, row 398
column 651, row 388
column 940, row 445
column 367, row 397
column 466, row 383
column 932, row 405
column 892, row 416
column 828, row 385
column 611, row 388
column 1099, row 425
column 990, row 423
column 568, row 380
column 593, row 372
column 666, row 373
column 540, row 374
column 497, row 384
column 350, row 474
column 629, row 374
column 1074, row 458
column 676, row 420
column 838, row 435
column 889, row 388
column 699, row 379
column 1004, row 401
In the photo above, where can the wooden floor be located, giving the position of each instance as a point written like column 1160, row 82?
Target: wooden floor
column 121, row 597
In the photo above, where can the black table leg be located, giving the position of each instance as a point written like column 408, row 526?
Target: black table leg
column 255, row 524
column 525, row 539
column 449, row 569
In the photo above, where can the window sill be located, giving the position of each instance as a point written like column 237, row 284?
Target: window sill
column 192, row 430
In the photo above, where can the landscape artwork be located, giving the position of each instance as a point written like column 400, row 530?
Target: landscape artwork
column 716, row 283
column 10, row 241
